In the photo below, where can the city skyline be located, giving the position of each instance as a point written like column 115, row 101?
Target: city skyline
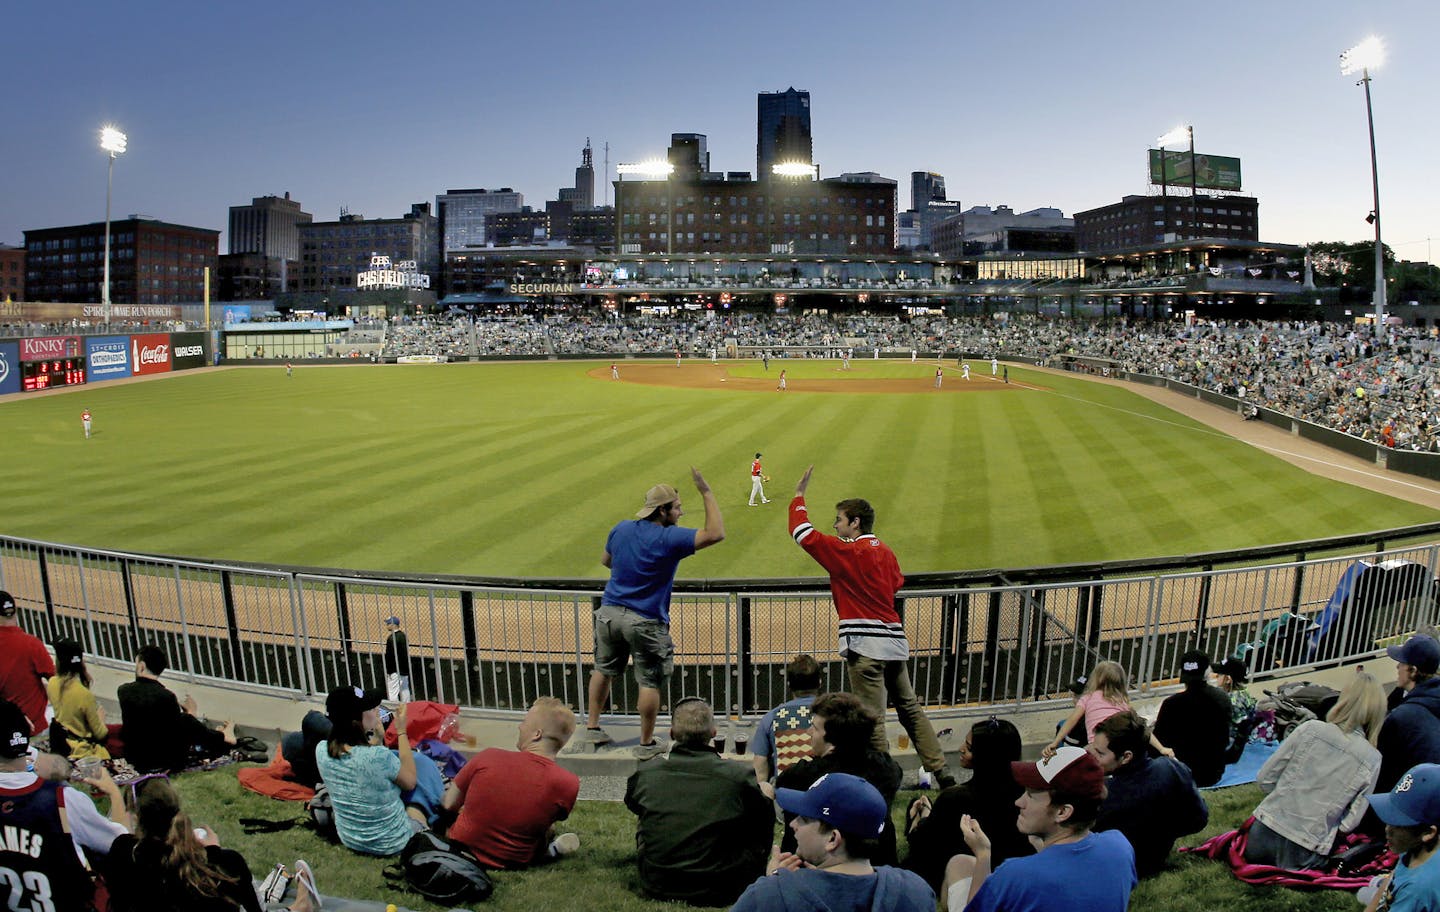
column 1042, row 105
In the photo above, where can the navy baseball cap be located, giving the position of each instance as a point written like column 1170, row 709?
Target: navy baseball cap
column 1193, row 665
column 8, row 608
column 1421, row 651
column 14, row 731
column 350, row 702
column 847, row 803
column 1415, row 799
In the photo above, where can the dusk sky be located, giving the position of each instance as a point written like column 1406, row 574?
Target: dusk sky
column 377, row 106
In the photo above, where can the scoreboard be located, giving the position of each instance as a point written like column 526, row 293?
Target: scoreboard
column 39, row 375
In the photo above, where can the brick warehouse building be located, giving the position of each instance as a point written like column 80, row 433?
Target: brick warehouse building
column 151, row 262
column 12, row 273
column 1136, row 221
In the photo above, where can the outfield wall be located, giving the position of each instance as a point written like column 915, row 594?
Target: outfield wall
column 1012, row 639
column 50, row 362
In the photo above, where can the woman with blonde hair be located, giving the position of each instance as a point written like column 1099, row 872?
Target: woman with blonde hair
column 1319, row 782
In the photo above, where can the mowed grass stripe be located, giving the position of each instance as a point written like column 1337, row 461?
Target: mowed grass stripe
column 521, row 469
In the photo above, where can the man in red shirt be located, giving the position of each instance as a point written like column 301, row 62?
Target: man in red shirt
column 509, row 801
column 864, row 577
column 24, row 666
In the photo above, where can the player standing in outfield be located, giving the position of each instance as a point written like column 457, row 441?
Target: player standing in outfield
column 1007, row 373
column 965, row 371
column 714, row 355
column 994, row 366
column 939, row 375
column 782, row 386
column 765, row 357
column 864, row 577
column 677, row 357
column 85, row 420
column 633, row 620
column 289, row 369
column 757, row 482
column 614, row 371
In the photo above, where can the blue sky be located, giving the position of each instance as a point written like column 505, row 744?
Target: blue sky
column 375, row 106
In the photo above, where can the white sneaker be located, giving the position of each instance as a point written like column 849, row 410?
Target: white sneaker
column 597, row 736
column 764, row 501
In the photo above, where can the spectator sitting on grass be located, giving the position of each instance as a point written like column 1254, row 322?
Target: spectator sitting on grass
column 1411, row 812
column 298, row 747
column 509, row 801
column 1151, row 800
column 376, row 792
column 836, row 822
column 1195, row 722
column 169, row 865
column 1073, row 868
column 988, row 796
column 842, row 741
column 79, row 728
column 1318, row 781
column 704, row 826
column 161, row 733
column 782, row 736
column 49, row 819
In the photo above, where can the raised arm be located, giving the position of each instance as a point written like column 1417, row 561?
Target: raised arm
column 714, row 531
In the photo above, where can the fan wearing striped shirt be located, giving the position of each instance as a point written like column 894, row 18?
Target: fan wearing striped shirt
column 864, row 578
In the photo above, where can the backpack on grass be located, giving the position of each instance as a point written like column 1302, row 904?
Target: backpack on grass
column 441, row 871
column 322, row 813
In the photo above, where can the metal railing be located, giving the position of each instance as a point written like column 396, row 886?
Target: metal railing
column 976, row 639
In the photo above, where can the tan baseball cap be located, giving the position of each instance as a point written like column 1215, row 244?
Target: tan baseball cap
column 657, row 497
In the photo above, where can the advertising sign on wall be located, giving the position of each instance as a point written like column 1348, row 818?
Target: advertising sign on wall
column 1212, row 172
column 188, row 350
column 150, row 354
column 237, row 313
column 107, row 357
column 50, row 348
column 9, row 368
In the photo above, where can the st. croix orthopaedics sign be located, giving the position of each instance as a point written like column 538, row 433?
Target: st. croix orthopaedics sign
column 382, row 274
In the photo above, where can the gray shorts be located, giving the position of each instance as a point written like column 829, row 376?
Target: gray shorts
column 621, row 633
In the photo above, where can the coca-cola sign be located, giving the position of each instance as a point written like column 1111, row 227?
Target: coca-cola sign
column 150, row 354
column 49, row 348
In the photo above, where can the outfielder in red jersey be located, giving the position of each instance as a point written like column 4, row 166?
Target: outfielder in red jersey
column 864, row 577
column 85, row 420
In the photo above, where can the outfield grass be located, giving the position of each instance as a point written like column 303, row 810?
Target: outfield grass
column 602, row 877
column 521, row 469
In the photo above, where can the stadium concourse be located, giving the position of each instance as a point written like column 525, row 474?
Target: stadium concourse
column 1327, row 373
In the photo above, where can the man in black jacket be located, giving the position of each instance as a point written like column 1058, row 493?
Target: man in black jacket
column 1195, row 723
column 161, row 733
column 1151, row 800
column 705, row 828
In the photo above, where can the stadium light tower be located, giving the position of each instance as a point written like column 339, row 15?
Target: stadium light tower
column 1360, row 59
column 112, row 141
column 1180, row 134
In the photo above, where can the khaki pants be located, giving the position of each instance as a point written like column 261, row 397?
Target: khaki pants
column 876, row 683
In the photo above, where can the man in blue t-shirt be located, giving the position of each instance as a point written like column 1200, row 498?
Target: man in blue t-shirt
column 782, row 738
column 633, row 619
column 1073, row 867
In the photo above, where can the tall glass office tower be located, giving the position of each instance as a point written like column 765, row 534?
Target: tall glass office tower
column 782, row 130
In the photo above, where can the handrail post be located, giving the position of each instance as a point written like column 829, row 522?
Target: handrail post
column 990, row 665
column 50, row 620
column 232, row 624
column 744, row 667
column 471, row 637
column 342, row 626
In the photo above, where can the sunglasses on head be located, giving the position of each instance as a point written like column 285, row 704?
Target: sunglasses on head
column 135, row 784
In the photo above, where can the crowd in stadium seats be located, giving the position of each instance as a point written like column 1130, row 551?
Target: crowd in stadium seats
column 1329, row 374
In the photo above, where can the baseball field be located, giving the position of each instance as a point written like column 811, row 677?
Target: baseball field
column 521, row 469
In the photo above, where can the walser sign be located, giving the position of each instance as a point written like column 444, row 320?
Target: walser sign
column 187, row 350
column 150, row 354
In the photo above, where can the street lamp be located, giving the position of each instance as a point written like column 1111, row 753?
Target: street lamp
column 1360, row 58
column 1180, row 134
column 112, row 141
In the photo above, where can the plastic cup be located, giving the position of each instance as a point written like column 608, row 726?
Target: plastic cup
column 903, row 741
column 87, row 768
column 741, row 744
column 719, row 744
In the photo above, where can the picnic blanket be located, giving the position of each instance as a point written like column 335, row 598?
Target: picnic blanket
column 1230, row 848
column 1244, row 770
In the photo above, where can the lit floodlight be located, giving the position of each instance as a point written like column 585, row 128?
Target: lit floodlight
column 652, row 168
column 112, row 141
column 1178, row 135
column 792, row 169
column 1367, row 55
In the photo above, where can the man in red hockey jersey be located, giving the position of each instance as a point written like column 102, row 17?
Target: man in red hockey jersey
column 864, row 577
